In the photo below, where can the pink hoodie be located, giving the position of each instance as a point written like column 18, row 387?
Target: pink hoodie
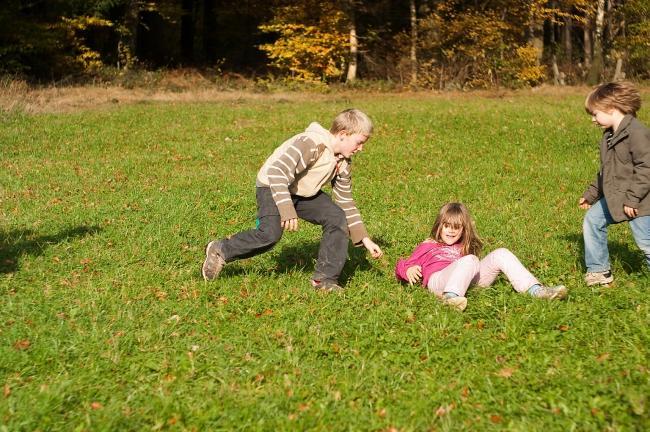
column 431, row 256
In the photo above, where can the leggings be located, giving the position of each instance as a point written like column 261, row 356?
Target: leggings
column 458, row 276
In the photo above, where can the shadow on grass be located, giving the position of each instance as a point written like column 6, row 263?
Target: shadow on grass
column 17, row 243
column 631, row 259
column 300, row 257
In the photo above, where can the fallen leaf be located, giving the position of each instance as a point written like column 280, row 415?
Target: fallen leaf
column 266, row 312
column 601, row 358
column 96, row 405
column 22, row 344
column 494, row 418
column 563, row 328
column 506, row 372
column 7, row 390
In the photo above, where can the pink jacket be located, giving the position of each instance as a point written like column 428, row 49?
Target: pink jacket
column 431, row 256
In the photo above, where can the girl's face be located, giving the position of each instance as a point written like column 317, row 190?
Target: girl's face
column 451, row 233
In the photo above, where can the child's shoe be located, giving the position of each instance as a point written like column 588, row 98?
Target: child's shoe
column 557, row 292
column 214, row 261
column 459, row 303
column 599, row 278
column 326, row 286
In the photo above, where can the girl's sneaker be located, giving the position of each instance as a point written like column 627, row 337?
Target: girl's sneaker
column 557, row 292
column 459, row 303
column 599, row 278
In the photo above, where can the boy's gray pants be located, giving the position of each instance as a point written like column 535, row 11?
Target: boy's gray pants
column 319, row 209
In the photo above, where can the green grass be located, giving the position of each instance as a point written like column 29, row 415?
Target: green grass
column 107, row 325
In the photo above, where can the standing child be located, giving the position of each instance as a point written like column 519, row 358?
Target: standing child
column 289, row 187
column 447, row 262
column 620, row 191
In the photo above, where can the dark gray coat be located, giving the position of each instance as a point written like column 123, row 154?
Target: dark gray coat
column 624, row 177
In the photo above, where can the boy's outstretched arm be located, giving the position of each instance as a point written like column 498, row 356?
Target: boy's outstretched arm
column 372, row 247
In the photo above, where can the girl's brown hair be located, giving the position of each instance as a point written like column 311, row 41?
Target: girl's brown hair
column 456, row 214
column 620, row 95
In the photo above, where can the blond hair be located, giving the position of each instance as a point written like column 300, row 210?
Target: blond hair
column 457, row 215
column 622, row 96
column 352, row 121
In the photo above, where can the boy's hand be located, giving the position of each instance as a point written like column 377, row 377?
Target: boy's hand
column 372, row 247
column 630, row 212
column 414, row 274
column 290, row 225
column 583, row 204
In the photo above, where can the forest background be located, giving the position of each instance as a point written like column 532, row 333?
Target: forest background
column 429, row 44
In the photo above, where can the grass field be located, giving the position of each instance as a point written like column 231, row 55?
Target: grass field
column 106, row 323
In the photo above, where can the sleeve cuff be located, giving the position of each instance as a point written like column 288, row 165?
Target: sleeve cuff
column 358, row 233
column 287, row 212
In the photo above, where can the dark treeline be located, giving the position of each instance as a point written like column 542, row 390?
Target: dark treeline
column 425, row 43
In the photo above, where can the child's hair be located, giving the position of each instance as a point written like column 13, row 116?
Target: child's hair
column 352, row 121
column 456, row 214
column 620, row 95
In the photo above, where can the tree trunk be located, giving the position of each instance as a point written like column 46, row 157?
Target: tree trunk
column 567, row 42
column 414, row 43
column 354, row 49
column 619, row 75
column 187, row 32
column 597, row 66
column 587, row 44
column 536, row 37
column 128, row 41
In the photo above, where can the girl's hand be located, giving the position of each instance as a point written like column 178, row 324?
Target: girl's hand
column 414, row 274
column 583, row 204
column 372, row 247
column 630, row 212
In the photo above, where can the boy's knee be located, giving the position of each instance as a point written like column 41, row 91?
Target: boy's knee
column 269, row 234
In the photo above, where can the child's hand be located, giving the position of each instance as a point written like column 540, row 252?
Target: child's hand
column 414, row 274
column 583, row 204
column 630, row 212
column 372, row 247
column 290, row 225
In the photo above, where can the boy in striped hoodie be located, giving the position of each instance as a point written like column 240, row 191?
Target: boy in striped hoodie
column 289, row 187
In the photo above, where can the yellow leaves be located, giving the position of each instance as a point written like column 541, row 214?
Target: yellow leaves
column 306, row 52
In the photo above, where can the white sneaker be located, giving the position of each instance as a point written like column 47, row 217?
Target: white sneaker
column 599, row 278
column 557, row 292
column 459, row 303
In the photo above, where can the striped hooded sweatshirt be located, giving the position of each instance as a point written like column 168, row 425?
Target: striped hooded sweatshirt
column 301, row 166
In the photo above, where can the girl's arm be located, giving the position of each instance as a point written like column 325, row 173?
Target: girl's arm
column 417, row 258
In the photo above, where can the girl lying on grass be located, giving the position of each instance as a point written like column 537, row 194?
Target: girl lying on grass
column 447, row 262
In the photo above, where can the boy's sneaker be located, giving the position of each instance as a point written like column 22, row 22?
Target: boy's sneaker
column 557, row 292
column 326, row 286
column 599, row 278
column 459, row 303
column 214, row 261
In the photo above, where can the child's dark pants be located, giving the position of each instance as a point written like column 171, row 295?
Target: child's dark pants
column 319, row 209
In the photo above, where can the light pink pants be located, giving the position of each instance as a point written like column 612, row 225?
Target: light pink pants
column 458, row 276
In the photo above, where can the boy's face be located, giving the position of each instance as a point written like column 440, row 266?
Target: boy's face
column 604, row 119
column 348, row 144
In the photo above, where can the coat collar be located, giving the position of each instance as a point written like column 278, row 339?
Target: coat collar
column 622, row 131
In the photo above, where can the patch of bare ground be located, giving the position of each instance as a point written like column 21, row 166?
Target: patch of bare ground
column 17, row 96
column 70, row 99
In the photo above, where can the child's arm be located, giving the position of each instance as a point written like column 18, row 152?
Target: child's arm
column 410, row 269
column 640, row 181
column 342, row 194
